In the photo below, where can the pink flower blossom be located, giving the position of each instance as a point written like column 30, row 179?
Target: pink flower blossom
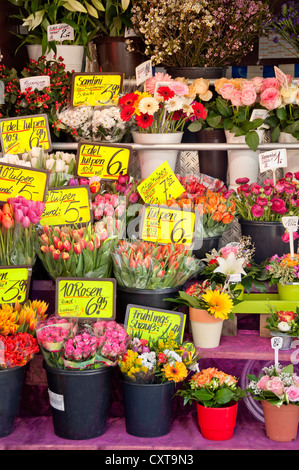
column 278, row 205
column 292, row 393
column 275, row 385
column 270, row 98
column 270, row 82
column 262, row 382
column 236, row 98
column 257, row 211
column 248, row 96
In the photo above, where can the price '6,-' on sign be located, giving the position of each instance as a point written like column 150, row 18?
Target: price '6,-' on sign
column 102, row 160
column 167, row 225
column 67, row 205
column 88, row 298
column 19, row 135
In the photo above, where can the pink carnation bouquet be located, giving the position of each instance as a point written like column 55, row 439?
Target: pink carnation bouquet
column 276, row 385
column 269, row 201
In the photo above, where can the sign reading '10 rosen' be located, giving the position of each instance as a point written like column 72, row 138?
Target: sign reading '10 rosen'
column 67, row 205
column 14, row 284
column 16, row 180
column 167, row 225
column 19, row 135
column 96, row 89
column 104, row 161
column 81, row 297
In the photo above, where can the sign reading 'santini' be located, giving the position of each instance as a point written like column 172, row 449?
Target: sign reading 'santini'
column 20, row 134
column 96, row 89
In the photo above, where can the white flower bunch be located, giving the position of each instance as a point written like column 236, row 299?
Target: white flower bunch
column 107, row 124
column 149, row 359
column 77, row 121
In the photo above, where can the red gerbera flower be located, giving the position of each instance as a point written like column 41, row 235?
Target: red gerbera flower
column 166, row 92
column 199, row 110
column 144, row 120
column 127, row 100
column 127, row 112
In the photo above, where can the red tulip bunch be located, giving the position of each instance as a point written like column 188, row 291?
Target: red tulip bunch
column 69, row 251
column 148, row 265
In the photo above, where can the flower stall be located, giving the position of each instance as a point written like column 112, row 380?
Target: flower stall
column 121, row 267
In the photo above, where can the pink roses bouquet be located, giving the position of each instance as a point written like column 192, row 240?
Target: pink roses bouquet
column 279, row 386
column 268, row 202
column 69, row 344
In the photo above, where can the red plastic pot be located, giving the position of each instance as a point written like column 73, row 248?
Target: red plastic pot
column 217, row 424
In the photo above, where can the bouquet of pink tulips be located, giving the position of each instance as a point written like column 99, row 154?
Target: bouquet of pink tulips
column 150, row 266
column 18, row 220
column 69, row 344
column 76, row 252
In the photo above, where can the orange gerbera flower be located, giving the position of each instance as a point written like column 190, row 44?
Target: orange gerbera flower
column 176, row 372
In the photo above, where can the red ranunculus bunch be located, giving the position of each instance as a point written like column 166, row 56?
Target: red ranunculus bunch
column 270, row 201
column 76, row 252
column 18, row 220
column 166, row 111
column 17, row 349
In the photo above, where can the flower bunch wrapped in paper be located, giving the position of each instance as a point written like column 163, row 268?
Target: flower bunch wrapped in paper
column 215, row 210
column 269, row 201
column 69, row 251
column 158, row 361
column 283, row 321
column 61, row 165
column 18, row 343
column 148, row 265
column 107, row 125
column 234, row 261
column 71, row 344
column 18, row 220
column 212, row 388
column 275, row 384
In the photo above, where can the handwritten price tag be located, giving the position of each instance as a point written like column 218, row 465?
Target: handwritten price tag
column 276, row 343
column 291, row 225
column 19, row 135
column 96, row 89
column 160, row 186
column 273, row 159
column 152, row 323
column 143, row 72
column 88, row 298
column 67, row 205
column 60, row 32
column 15, row 180
column 40, row 82
column 104, row 161
column 14, row 284
column 166, row 225
column 281, row 77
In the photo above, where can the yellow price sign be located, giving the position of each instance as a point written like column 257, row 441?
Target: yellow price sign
column 164, row 224
column 20, row 134
column 105, row 161
column 67, row 205
column 160, row 186
column 18, row 180
column 14, row 284
column 96, row 89
column 152, row 323
column 88, row 298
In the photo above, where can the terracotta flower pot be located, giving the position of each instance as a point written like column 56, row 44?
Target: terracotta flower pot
column 281, row 422
column 206, row 329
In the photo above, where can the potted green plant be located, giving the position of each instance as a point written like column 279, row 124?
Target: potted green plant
column 284, row 324
column 36, row 16
column 216, row 395
column 115, row 31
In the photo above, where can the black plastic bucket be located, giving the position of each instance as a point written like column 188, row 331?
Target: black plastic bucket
column 11, row 387
column 208, row 244
column 148, row 297
column 266, row 237
column 148, row 408
column 80, row 401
